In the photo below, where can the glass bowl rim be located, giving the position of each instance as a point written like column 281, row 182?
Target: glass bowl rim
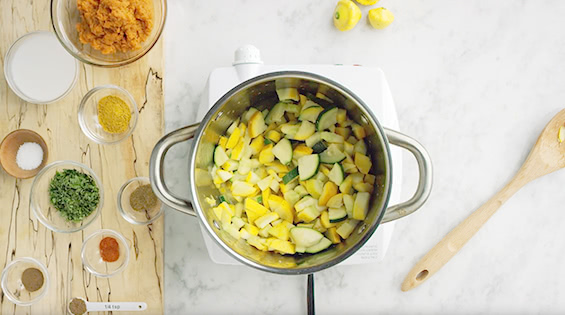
column 124, row 213
column 121, row 239
column 40, row 216
column 45, row 283
column 54, row 25
column 81, row 120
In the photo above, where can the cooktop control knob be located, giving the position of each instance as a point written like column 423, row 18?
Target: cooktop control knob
column 247, row 54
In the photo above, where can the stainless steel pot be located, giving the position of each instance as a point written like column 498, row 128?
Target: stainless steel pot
column 260, row 92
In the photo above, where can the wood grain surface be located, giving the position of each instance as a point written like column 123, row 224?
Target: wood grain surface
column 22, row 235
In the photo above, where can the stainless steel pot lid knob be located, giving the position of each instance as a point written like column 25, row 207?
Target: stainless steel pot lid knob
column 247, row 54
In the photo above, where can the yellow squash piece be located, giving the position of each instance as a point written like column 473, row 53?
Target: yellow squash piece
column 280, row 231
column 380, row 18
column 561, row 134
column 257, row 144
column 284, row 247
column 363, row 163
column 309, row 214
column 266, row 155
column 243, row 189
column 361, row 205
column 367, row 2
column 281, row 207
column 332, row 235
column 252, row 229
column 234, row 138
column 314, row 188
column 325, row 220
column 265, row 195
column 237, row 152
column 258, row 242
column 263, row 220
column 300, row 151
column 346, row 15
column 222, row 142
column 256, row 125
column 273, row 135
column 330, row 190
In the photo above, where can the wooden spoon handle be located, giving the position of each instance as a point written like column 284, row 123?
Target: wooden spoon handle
column 454, row 241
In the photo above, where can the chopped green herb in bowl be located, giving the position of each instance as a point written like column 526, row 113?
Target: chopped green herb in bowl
column 74, row 194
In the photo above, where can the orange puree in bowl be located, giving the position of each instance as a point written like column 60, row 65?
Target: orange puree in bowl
column 112, row 26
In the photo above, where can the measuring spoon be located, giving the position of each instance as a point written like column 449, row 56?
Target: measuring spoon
column 110, row 306
column 547, row 156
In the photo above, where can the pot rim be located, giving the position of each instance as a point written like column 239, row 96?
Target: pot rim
column 269, row 77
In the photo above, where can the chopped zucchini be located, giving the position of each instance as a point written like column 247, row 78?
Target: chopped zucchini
column 290, row 176
column 306, row 237
column 220, row 156
column 337, row 174
column 332, row 155
column 283, row 151
column 322, row 244
column 337, row 214
column 275, row 115
column 319, row 147
column 288, row 94
column 326, row 119
column 311, row 113
column 308, row 166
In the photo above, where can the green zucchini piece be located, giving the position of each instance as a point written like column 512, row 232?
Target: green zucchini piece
column 283, row 151
column 322, row 244
column 319, row 147
column 308, row 166
column 220, row 156
column 290, row 176
column 332, row 155
column 326, row 119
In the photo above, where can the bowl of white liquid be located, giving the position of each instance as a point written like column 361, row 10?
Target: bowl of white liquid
column 38, row 69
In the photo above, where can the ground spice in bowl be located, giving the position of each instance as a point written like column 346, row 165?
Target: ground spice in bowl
column 32, row 279
column 109, row 249
column 143, row 198
column 114, row 114
column 77, row 306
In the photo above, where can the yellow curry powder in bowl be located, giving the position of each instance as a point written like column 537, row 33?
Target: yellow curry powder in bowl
column 112, row 26
column 114, row 114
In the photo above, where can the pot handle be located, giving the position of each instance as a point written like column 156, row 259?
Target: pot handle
column 156, row 169
column 426, row 176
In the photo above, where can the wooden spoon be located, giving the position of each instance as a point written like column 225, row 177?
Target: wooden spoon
column 547, row 156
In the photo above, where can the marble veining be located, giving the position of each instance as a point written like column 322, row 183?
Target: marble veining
column 474, row 81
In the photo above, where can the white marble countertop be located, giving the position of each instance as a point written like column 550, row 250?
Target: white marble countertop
column 474, row 81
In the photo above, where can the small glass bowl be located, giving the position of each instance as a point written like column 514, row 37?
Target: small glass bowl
column 125, row 209
column 40, row 202
column 13, row 287
column 88, row 114
column 65, row 16
column 92, row 260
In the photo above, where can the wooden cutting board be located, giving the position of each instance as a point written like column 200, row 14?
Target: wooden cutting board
column 21, row 234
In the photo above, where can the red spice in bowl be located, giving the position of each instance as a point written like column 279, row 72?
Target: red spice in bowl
column 109, row 249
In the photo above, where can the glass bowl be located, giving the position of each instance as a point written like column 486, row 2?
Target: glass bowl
column 40, row 202
column 88, row 114
column 13, row 287
column 65, row 16
column 128, row 213
column 92, row 260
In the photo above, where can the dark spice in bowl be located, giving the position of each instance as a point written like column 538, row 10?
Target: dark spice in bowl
column 143, row 198
column 77, row 306
column 32, row 279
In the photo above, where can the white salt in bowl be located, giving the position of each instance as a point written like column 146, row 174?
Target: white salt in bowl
column 38, row 69
column 9, row 150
